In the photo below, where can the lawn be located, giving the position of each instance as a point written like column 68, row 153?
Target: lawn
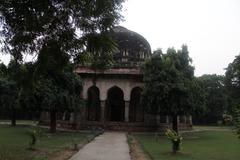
column 216, row 144
column 14, row 143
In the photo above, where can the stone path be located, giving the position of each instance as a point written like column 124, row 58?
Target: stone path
column 108, row 146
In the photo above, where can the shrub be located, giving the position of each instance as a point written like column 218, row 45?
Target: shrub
column 237, row 122
column 175, row 138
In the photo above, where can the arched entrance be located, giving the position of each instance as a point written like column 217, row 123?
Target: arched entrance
column 115, row 104
column 136, row 112
column 93, row 104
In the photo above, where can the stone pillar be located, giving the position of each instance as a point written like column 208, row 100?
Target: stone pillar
column 64, row 116
column 190, row 120
column 126, row 111
column 167, row 119
column 102, row 105
column 72, row 117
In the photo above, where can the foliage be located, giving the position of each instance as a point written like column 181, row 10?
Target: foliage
column 175, row 138
column 237, row 121
column 232, row 83
column 55, row 33
column 170, row 87
column 8, row 97
column 216, row 99
column 15, row 82
column 30, row 25
column 59, row 94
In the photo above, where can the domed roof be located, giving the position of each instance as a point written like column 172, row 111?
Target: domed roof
column 132, row 47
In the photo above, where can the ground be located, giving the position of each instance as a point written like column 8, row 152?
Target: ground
column 15, row 143
column 208, row 143
column 108, row 146
column 212, row 143
column 136, row 151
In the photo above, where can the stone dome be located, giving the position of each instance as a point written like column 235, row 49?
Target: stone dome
column 132, row 47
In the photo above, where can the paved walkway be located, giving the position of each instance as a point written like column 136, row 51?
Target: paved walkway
column 108, row 146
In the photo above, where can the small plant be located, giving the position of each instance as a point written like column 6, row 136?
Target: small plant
column 34, row 135
column 175, row 138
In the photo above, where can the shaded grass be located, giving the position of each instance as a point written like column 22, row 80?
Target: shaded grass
column 14, row 143
column 205, row 145
column 20, row 122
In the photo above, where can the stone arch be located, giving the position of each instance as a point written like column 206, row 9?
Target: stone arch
column 136, row 110
column 115, row 104
column 93, row 104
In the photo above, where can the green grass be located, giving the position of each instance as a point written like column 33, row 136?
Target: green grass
column 14, row 143
column 205, row 145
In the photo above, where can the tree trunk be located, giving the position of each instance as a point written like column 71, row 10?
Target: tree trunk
column 53, row 121
column 175, row 144
column 13, row 117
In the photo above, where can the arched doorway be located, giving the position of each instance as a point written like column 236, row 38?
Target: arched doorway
column 136, row 112
column 93, row 104
column 115, row 104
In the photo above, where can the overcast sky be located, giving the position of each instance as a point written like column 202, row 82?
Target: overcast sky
column 210, row 28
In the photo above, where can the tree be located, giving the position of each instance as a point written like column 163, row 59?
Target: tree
column 28, row 25
column 216, row 98
column 170, row 86
column 56, row 32
column 58, row 94
column 57, row 87
column 232, row 83
column 14, row 79
column 8, row 96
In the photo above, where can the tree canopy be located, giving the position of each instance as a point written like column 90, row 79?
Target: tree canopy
column 216, row 98
column 29, row 25
column 232, row 82
column 169, row 83
column 55, row 33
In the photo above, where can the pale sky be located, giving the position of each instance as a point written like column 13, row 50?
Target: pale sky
column 210, row 28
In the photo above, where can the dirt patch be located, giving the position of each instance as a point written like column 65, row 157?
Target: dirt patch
column 136, row 151
column 62, row 155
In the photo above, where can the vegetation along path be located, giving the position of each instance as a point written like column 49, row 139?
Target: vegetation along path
column 108, row 146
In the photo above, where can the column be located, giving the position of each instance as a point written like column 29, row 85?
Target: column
column 167, row 119
column 102, row 105
column 64, row 116
column 126, row 111
column 72, row 118
column 190, row 120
